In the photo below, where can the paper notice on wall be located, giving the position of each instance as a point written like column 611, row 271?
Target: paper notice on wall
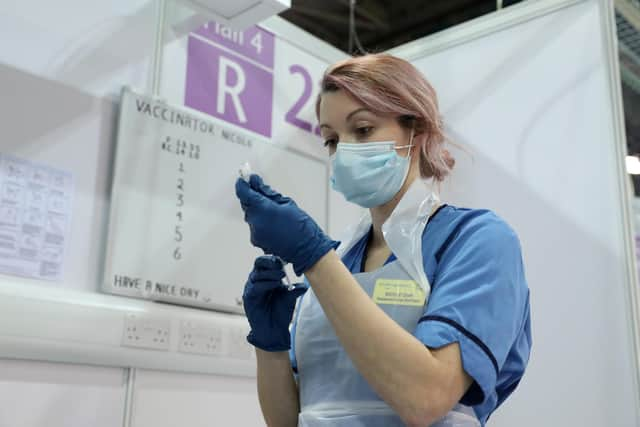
column 35, row 217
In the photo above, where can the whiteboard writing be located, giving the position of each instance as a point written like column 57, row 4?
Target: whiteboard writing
column 162, row 112
column 148, row 287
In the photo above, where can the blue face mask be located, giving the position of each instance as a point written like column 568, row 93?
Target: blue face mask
column 369, row 174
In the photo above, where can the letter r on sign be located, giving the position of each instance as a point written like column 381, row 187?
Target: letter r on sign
column 232, row 88
column 234, row 91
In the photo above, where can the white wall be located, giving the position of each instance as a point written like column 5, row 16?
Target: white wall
column 58, row 72
column 63, row 126
column 166, row 399
column 37, row 394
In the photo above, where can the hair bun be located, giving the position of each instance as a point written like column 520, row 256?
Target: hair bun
column 448, row 158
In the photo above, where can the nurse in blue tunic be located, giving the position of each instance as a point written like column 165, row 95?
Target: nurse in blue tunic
column 420, row 315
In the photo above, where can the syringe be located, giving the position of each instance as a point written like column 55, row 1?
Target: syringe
column 245, row 174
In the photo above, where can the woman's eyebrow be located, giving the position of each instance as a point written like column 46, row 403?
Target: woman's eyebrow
column 357, row 110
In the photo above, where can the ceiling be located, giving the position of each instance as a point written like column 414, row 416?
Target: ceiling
column 383, row 24
column 628, row 26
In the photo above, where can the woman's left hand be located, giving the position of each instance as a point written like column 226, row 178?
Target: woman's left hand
column 279, row 227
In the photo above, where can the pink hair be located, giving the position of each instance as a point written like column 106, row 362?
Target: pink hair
column 389, row 85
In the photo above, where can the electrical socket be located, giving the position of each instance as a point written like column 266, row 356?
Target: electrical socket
column 146, row 332
column 200, row 338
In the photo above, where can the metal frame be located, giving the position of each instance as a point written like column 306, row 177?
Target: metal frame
column 158, row 49
column 610, row 42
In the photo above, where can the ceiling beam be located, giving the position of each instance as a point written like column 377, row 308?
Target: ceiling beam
column 438, row 17
column 320, row 30
column 336, row 17
column 629, row 11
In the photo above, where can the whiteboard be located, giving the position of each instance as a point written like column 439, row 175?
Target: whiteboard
column 177, row 232
column 531, row 96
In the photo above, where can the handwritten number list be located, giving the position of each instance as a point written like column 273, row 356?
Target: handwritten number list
column 184, row 152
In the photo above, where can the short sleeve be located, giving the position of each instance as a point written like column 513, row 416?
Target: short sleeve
column 478, row 298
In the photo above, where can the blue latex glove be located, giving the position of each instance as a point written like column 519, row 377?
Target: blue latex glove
column 279, row 227
column 269, row 305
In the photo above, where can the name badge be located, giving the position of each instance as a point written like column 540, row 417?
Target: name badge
column 398, row 292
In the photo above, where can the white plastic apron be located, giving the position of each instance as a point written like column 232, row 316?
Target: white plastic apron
column 332, row 391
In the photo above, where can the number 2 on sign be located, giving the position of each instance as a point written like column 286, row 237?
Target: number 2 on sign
column 292, row 115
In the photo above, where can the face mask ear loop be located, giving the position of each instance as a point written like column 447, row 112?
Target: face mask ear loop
column 410, row 144
column 406, row 173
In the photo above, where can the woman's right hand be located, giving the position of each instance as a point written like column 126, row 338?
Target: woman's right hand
column 269, row 305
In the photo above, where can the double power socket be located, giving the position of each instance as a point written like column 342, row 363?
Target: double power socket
column 195, row 337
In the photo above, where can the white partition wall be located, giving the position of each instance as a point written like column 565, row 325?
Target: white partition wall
column 531, row 97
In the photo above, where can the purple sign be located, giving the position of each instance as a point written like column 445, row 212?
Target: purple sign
column 253, row 43
column 232, row 78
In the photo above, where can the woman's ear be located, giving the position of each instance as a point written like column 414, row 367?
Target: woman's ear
column 423, row 164
column 419, row 140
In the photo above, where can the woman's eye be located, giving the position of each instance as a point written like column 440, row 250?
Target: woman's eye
column 364, row 130
column 330, row 143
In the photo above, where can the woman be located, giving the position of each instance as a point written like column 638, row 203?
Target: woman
column 421, row 317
